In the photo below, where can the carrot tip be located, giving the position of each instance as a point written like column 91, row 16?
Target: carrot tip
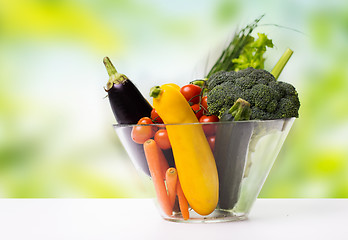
column 171, row 170
column 148, row 141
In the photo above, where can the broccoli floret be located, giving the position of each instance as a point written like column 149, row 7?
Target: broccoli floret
column 287, row 108
column 244, row 72
column 257, row 113
column 287, row 88
column 268, row 98
column 272, row 106
column 261, row 76
column 262, row 95
column 222, row 97
column 253, row 76
column 219, row 78
column 247, row 96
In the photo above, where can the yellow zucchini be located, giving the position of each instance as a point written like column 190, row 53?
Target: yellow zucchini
column 193, row 157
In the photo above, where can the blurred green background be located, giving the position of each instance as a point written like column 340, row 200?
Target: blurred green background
column 56, row 135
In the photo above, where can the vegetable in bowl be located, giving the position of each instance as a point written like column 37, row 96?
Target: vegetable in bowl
column 268, row 98
column 198, row 139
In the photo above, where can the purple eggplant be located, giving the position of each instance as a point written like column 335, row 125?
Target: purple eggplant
column 126, row 101
column 128, row 106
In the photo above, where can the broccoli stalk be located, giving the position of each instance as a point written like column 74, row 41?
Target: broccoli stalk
column 278, row 68
column 240, row 111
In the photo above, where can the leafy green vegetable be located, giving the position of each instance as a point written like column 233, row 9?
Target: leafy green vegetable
column 252, row 54
column 234, row 49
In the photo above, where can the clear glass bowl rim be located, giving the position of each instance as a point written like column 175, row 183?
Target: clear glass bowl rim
column 122, row 125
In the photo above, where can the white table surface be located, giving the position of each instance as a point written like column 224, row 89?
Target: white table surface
column 138, row 219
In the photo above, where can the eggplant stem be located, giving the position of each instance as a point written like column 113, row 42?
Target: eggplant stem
column 114, row 76
column 109, row 66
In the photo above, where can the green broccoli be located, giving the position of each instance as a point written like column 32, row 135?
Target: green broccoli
column 268, row 98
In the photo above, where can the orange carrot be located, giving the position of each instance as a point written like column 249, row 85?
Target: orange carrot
column 154, row 157
column 182, row 201
column 171, row 179
column 164, row 164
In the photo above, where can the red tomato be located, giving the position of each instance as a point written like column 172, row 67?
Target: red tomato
column 162, row 139
column 145, row 120
column 211, row 141
column 204, row 104
column 155, row 117
column 197, row 110
column 209, row 129
column 141, row 134
column 191, row 92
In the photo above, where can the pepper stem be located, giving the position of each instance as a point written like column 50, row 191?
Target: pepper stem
column 240, row 110
column 114, row 76
column 278, row 68
column 155, row 91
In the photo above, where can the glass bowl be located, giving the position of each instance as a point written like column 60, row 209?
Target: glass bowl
column 244, row 152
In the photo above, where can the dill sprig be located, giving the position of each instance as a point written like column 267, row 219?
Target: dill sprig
column 234, row 49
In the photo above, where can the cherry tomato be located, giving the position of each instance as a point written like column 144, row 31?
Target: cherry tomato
column 197, row 110
column 191, row 92
column 211, row 141
column 204, row 104
column 141, row 134
column 209, row 129
column 155, row 117
column 162, row 139
column 145, row 120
